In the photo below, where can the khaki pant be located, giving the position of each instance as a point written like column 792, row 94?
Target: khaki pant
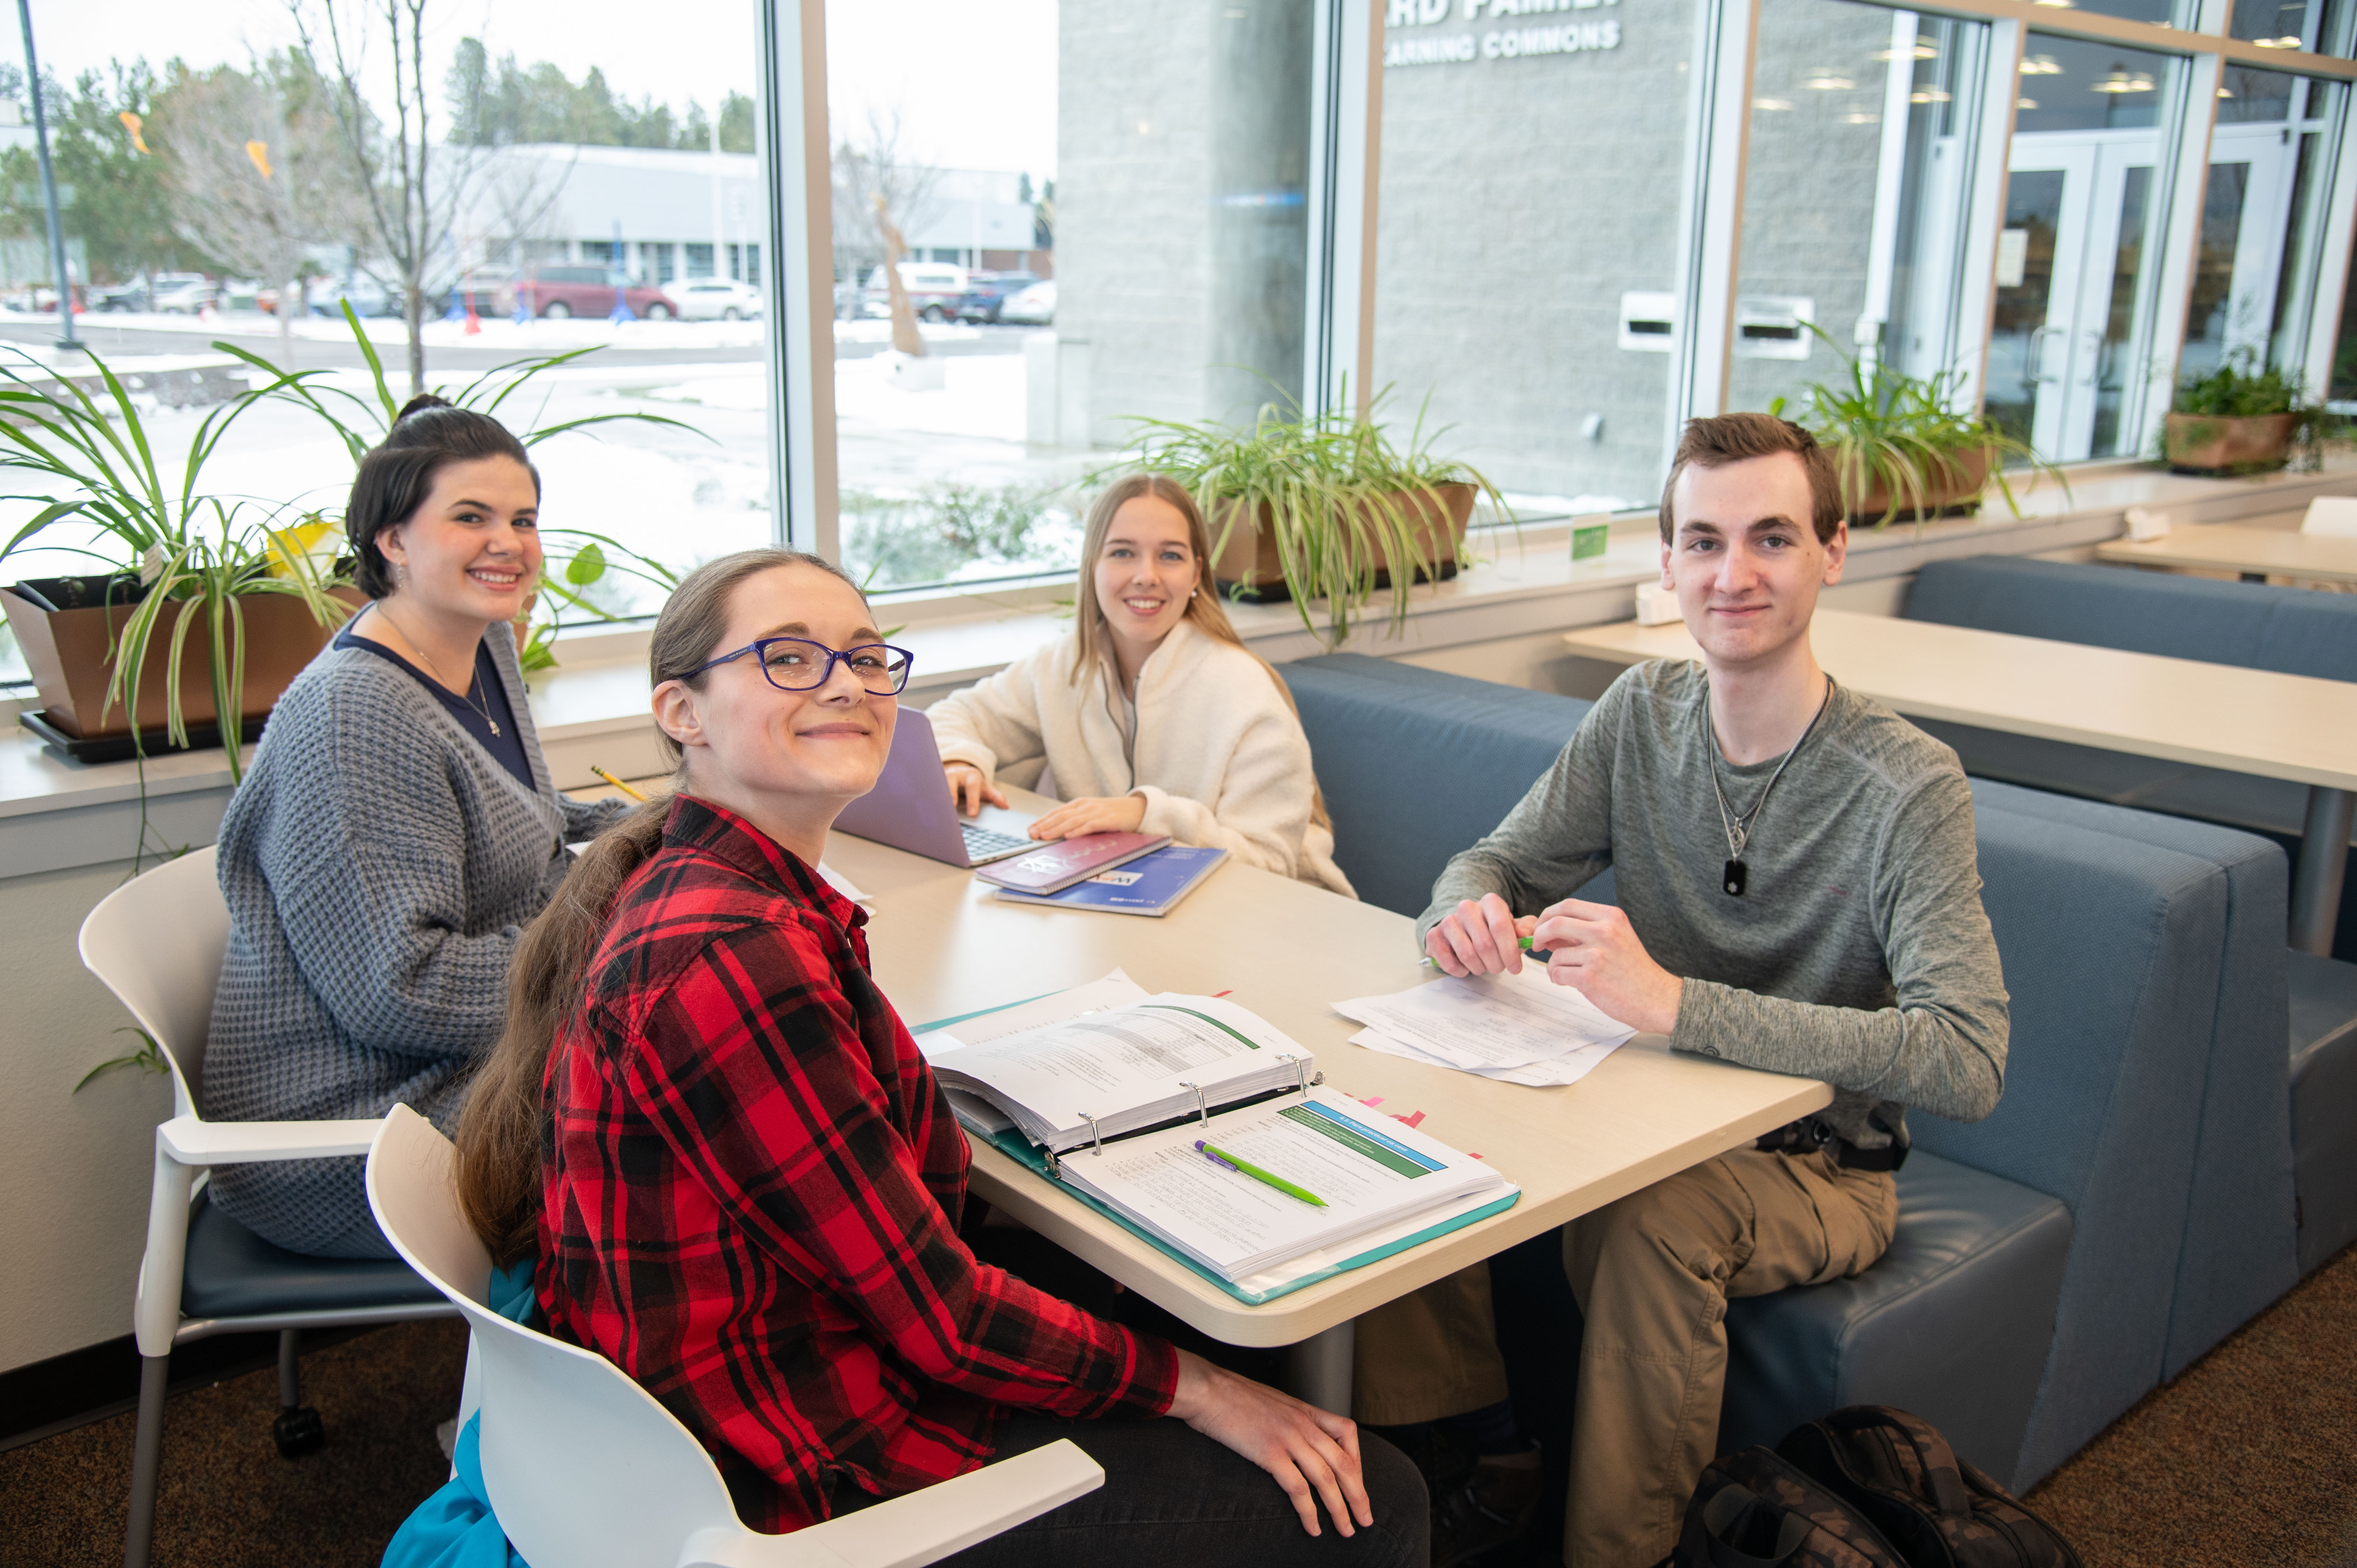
column 1428, row 1355
column 1652, row 1273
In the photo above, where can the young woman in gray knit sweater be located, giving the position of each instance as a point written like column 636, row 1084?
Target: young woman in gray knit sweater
column 396, row 830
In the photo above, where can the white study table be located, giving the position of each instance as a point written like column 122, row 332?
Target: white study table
column 2179, row 710
column 943, row 947
column 2257, row 554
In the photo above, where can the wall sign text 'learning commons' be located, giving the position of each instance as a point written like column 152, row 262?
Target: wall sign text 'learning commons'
column 1456, row 49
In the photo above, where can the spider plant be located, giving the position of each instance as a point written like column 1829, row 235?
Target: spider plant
column 1900, row 438
column 577, row 559
column 197, row 557
column 1347, row 510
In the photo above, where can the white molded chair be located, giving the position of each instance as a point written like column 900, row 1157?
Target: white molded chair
column 2335, row 516
column 156, row 942
column 585, row 1469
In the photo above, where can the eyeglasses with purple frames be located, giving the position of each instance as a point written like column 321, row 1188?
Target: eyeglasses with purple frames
column 798, row 664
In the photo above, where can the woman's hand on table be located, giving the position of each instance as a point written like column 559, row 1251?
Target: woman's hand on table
column 1092, row 814
column 970, row 790
column 1312, row 1453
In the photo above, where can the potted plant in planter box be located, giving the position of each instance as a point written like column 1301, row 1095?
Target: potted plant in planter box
column 1320, row 505
column 1902, row 451
column 2237, row 420
column 207, row 605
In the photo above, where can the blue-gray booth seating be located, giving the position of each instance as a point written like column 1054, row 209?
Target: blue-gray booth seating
column 2053, row 1262
column 2296, row 631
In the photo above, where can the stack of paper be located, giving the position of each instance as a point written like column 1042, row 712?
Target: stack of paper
column 1520, row 1028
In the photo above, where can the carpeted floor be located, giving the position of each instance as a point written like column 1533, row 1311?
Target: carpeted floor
column 2249, row 1460
column 228, row 1501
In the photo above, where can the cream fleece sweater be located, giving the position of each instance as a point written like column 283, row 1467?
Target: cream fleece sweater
column 1211, row 745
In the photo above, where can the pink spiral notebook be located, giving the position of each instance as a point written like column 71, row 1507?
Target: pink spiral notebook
column 1053, row 867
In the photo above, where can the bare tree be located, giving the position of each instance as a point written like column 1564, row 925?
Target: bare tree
column 253, row 168
column 515, row 192
column 876, row 188
column 414, row 186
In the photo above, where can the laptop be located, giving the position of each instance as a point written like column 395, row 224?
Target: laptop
column 911, row 808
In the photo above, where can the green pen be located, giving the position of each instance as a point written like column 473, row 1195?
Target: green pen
column 1245, row 1167
column 1541, row 954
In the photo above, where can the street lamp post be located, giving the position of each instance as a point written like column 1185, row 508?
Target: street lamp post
column 48, row 185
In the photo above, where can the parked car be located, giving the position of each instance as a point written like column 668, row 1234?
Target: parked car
column 559, row 289
column 712, row 299
column 986, row 292
column 1034, row 307
column 181, row 293
column 132, row 295
column 934, row 290
column 369, row 297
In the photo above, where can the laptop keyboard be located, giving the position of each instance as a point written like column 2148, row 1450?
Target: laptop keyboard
column 988, row 843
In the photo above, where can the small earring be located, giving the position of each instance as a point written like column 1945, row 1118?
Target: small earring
column 1194, row 593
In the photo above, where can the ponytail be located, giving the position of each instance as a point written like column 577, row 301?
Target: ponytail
column 501, row 1133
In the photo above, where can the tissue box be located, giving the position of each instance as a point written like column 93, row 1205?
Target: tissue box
column 1656, row 606
column 2148, row 523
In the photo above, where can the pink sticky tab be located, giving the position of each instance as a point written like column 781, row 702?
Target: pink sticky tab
column 1373, row 1100
column 1474, row 1154
column 1413, row 1118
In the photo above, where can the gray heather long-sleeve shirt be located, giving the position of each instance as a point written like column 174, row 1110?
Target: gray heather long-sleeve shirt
column 1858, row 952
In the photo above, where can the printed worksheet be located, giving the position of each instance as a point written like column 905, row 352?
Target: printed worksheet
column 1368, row 1171
column 1492, row 1023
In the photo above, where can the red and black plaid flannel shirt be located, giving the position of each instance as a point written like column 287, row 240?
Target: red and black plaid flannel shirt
column 753, row 1188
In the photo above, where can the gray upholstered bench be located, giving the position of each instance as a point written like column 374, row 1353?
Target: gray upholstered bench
column 2295, row 630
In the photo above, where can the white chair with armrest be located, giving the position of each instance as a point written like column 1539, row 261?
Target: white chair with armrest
column 156, row 942
column 584, row 1468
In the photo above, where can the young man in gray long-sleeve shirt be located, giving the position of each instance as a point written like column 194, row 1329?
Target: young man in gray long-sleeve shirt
column 1798, row 891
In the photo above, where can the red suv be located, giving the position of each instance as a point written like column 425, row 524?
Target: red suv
column 585, row 288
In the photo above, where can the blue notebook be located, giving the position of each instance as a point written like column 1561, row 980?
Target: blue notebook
column 1150, row 884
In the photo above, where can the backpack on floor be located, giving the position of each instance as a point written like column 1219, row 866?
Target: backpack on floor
column 1752, row 1510
column 1936, row 1509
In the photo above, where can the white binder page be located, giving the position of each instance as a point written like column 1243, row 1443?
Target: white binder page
column 1126, row 1056
column 1115, row 990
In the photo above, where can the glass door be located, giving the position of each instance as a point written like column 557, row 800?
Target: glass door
column 2039, row 262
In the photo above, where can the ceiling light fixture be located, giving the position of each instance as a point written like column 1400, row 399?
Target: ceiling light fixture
column 1772, row 104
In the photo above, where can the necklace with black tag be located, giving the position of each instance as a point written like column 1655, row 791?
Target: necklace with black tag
column 1735, row 876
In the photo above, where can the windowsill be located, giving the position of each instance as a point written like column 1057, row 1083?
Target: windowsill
column 592, row 709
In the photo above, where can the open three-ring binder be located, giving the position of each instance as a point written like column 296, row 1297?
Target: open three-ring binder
column 1205, row 1131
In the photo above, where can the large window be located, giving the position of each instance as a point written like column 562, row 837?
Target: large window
column 2071, row 364
column 1527, row 268
column 1040, row 225
column 2262, row 220
column 1863, row 124
column 577, row 179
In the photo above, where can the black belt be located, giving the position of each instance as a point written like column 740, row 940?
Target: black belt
column 1811, row 1135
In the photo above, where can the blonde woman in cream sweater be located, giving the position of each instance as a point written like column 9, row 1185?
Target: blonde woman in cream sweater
column 1152, row 716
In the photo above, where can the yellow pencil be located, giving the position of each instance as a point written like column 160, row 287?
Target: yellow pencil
column 617, row 783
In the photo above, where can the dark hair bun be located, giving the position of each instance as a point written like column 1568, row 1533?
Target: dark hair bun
column 419, row 405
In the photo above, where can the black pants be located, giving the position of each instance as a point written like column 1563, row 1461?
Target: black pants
column 1175, row 1499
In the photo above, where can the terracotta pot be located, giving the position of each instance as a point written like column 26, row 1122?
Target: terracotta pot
column 1951, row 489
column 1250, row 552
column 68, row 653
column 2208, row 443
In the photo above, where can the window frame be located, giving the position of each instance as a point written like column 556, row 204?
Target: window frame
column 1345, row 164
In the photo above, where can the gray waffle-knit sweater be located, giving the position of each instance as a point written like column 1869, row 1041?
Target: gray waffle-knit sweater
column 379, row 865
column 1859, row 952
